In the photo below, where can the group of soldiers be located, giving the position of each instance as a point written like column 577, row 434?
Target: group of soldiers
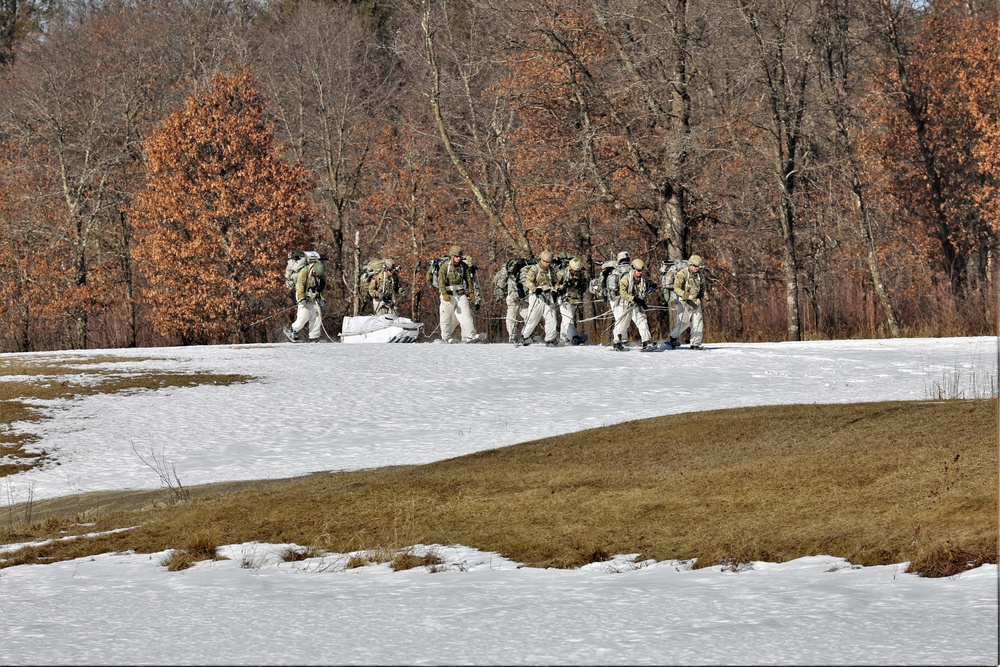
column 551, row 297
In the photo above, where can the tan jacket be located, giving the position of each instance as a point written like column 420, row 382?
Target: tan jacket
column 538, row 278
column 630, row 289
column 456, row 279
column 689, row 286
column 383, row 287
column 570, row 287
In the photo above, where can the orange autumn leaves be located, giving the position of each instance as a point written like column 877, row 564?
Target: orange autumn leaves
column 220, row 211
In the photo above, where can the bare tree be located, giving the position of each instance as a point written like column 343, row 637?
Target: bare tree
column 20, row 20
column 452, row 40
column 840, row 60
column 784, row 53
column 331, row 87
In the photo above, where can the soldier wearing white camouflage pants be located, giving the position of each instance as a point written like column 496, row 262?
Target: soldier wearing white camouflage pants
column 633, row 291
column 517, row 311
column 690, row 290
column 618, row 307
column 571, row 285
column 309, row 285
column 539, row 283
column 458, row 294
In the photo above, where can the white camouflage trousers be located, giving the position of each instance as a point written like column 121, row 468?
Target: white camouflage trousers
column 541, row 306
column 517, row 310
column 567, row 320
column 631, row 313
column 689, row 317
column 454, row 314
column 309, row 313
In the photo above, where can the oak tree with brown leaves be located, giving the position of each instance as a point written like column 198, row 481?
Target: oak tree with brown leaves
column 219, row 214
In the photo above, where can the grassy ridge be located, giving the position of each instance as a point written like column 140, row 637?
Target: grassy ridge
column 875, row 483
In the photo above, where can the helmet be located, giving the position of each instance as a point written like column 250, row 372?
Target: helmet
column 455, row 251
column 318, row 270
column 638, row 264
column 695, row 260
column 546, row 256
column 623, row 256
column 575, row 264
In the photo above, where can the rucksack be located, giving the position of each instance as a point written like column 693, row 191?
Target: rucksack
column 561, row 261
column 668, row 272
column 298, row 260
column 510, row 272
column 371, row 268
column 474, row 270
column 522, row 275
column 605, row 285
column 432, row 270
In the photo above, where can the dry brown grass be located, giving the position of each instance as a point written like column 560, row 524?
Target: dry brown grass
column 876, row 483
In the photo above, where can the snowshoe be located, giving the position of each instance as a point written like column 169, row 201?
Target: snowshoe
column 290, row 335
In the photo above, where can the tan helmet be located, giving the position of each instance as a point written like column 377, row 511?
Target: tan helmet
column 455, row 251
column 575, row 264
column 546, row 256
column 695, row 260
column 638, row 264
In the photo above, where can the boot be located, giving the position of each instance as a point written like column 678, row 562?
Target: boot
column 673, row 343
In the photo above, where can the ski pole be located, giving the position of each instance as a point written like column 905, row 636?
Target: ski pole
column 274, row 315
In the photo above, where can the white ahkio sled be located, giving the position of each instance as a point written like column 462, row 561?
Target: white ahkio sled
column 379, row 329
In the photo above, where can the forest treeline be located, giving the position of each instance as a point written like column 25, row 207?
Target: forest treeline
column 835, row 162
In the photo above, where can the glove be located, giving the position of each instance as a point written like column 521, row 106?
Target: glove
column 640, row 302
column 538, row 290
column 476, row 305
column 446, row 297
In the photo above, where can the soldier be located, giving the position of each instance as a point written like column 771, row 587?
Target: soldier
column 539, row 284
column 633, row 290
column 458, row 294
column 618, row 307
column 690, row 290
column 382, row 288
column 571, row 285
column 309, row 285
column 517, row 306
